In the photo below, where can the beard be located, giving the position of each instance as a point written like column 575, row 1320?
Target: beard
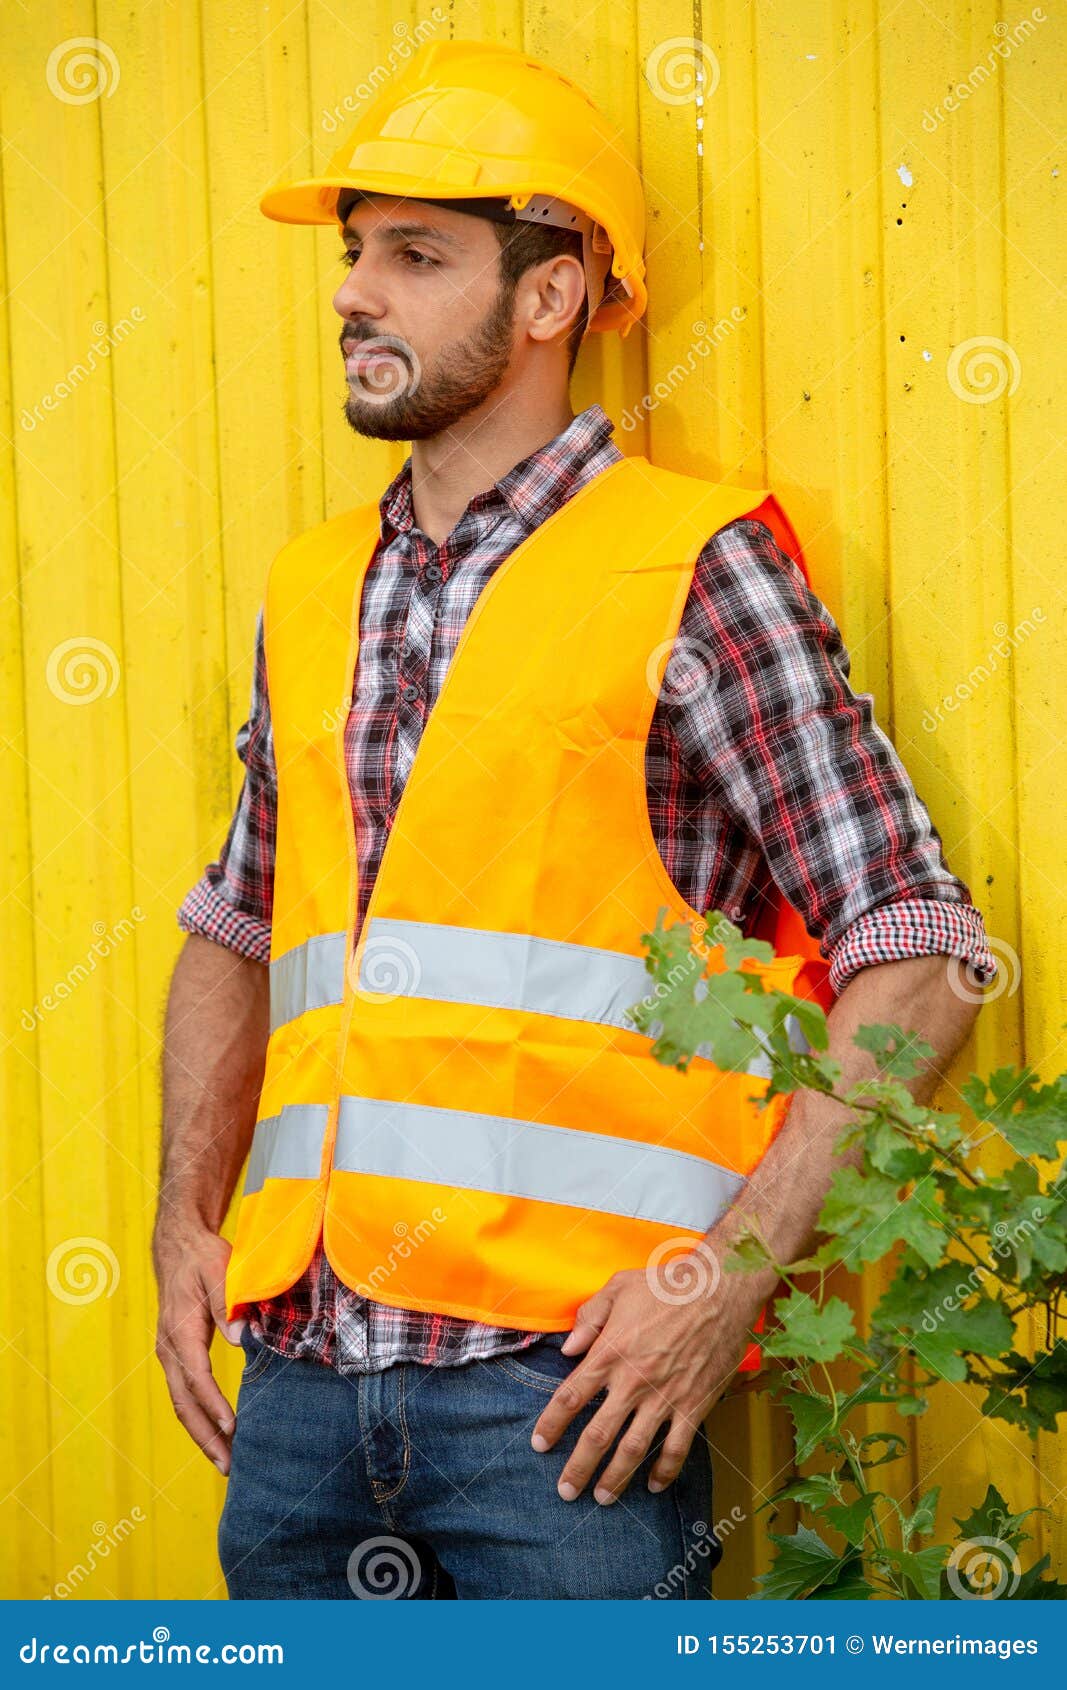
column 402, row 400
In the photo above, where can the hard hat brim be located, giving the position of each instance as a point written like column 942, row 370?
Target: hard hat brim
column 311, row 200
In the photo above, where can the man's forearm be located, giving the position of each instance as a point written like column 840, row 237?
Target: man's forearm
column 214, row 1049
column 782, row 1198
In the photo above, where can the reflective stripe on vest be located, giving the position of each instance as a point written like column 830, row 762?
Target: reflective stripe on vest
column 421, row 959
column 462, row 965
column 457, row 1147
column 310, row 976
column 287, row 1146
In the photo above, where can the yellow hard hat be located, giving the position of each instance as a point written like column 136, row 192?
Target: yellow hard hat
column 468, row 121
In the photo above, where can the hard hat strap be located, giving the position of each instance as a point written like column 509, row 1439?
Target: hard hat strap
column 596, row 248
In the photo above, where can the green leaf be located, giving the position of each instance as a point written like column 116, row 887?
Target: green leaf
column 812, row 1491
column 993, row 1518
column 893, row 1446
column 803, row 1566
column 920, row 1568
column 850, row 1519
column 1026, row 1224
column 1032, row 1117
column 1030, row 1394
column 1033, row 1586
column 896, row 1052
column 728, row 1043
column 943, row 1316
column 794, row 1070
column 873, row 1390
column 893, row 1154
column 1001, row 1404
column 747, row 1254
column 827, row 1255
column 1048, row 1246
column 808, row 1016
column 923, row 1520
column 812, row 1417
column 727, row 1015
column 850, row 1585
column 868, row 1214
column 720, row 930
column 911, row 1405
column 810, row 1332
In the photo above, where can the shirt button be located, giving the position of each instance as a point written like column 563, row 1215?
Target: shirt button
column 410, row 692
column 433, row 572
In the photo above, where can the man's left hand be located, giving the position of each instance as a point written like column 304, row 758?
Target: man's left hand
column 665, row 1342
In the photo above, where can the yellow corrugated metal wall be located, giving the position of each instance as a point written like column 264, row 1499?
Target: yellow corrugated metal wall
column 856, row 298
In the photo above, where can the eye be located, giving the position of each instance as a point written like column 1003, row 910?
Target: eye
column 410, row 255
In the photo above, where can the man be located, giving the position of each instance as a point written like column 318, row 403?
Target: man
column 471, row 779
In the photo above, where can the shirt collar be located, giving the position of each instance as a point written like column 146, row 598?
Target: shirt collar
column 533, row 488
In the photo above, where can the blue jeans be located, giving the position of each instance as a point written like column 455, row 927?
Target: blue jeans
column 420, row 1482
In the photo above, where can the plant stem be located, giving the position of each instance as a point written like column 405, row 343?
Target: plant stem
column 830, row 1387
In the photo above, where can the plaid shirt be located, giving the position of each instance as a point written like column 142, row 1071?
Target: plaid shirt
column 775, row 774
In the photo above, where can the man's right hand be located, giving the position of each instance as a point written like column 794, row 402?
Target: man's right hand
column 190, row 1266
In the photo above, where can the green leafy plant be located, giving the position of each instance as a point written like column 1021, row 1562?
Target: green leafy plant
column 978, row 1261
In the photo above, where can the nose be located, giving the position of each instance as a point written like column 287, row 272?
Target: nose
column 359, row 295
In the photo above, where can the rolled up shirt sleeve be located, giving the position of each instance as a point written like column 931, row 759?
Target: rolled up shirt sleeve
column 795, row 757
column 930, row 926
column 232, row 902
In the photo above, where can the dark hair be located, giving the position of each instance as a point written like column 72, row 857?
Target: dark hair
column 522, row 245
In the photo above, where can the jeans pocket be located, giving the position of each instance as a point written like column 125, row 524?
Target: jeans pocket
column 257, row 1355
column 543, row 1366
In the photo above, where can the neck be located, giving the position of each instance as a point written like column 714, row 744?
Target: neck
column 448, row 470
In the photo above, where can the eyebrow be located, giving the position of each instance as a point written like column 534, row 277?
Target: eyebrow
column 405, row 231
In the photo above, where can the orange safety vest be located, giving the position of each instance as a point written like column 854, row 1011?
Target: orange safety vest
column 465, row 1109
